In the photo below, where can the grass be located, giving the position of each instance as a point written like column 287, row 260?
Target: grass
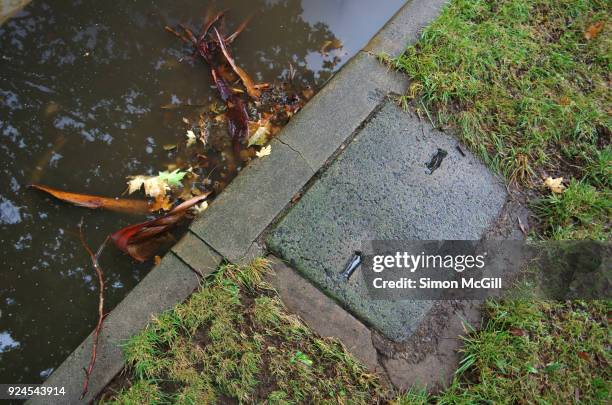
column 232, row 341
column 532, row 351
column 523, row 88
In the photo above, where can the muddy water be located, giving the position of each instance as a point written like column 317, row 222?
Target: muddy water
column 81, row 86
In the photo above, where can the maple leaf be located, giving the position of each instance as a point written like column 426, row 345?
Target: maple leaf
column 172, row 178
column 555, row 185
column 155, row 187
column 135, row 183
column 265, row 151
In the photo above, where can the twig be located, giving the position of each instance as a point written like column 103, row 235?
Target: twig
column 101, row 314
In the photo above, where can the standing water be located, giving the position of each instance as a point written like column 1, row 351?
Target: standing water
column 92, row 92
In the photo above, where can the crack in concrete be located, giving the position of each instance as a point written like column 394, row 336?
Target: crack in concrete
column 299, row 154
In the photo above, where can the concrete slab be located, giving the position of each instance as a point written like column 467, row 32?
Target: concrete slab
column 252, row 200
column 378, row 189
column 170, row 282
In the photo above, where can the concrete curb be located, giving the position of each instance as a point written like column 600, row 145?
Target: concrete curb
column 232, row 225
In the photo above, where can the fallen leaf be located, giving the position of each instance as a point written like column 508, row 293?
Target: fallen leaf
column 157, row 260
column 186, row 121
column 135, row 183
column 260, row 135
column 517, row 332
column 555, row 185
column 246, row 79
column 161, row 203
column 201, row 207
column 191, row 138
column 584, row 356
column 308, row 93
column 155, row 187
column 330, row 45
column 93, row 201
column 133, row 239
column 265, row 151
column 169, row 146
column 593, row 30
column 172, row 178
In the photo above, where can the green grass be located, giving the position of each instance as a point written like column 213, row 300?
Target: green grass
column 522, row 87
column 233, row 340
column 532, row 352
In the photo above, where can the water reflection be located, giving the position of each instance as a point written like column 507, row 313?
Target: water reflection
column 81, row 86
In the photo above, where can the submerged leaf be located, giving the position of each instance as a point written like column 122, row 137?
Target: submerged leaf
column 155, row 187
column 93, row 201
column 260, row 135
column 246, row 79
column 330, row 45
column 172, row 178
column 191, row 138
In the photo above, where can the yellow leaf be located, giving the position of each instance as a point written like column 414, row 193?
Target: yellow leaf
column 555, row 185
column 155, row 187
column 191, row 138
column 198, row 209
column 135, row 183
column 260, row 136
column 265, row 151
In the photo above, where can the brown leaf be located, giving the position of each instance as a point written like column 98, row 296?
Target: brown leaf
column 593, row 30
column 161, row 203
column 246, row 79
column 308, row 92
column 584, row 356
column 517, row 332
column 93, row 201
column 330, row 45
column 140, row 240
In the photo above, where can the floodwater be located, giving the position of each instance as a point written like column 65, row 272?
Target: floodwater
column 82, row 84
